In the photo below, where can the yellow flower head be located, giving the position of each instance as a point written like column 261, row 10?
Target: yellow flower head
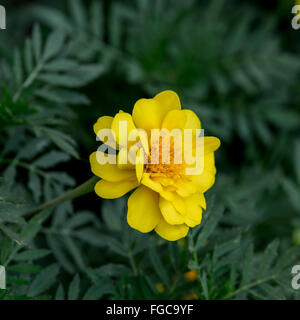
column 158, row 156
column 191, row 275
column 191, row 296
column 160, row 287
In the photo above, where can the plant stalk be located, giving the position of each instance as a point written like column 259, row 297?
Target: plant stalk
column 81, row 190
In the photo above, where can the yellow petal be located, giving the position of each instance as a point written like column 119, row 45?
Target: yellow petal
column 189, row 222
column 113, row 190
column 209, row 163
column 169, row 100
column 143, row 210
column 179, row 205
column 105, row 123
column 207, row 178
column 139, row 167
column 150, row 183
column 206, row 147
column 156, row 186
column 204, row 181
column 165, row 181
column 139, row 138
column 123, row 160
column 170, row 214
column 175, row 119
column 211, row 144
column 193, row 210
column 184, row 188
column 192, row 120
column 122, row 125
column 181, row 119
column 171, row 232
column 147, row 114
column 108, row 171
column 202, row 201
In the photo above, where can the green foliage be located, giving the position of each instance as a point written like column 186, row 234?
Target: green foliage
column 66, row 63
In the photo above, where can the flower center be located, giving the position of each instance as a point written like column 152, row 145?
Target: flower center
column 165, row 160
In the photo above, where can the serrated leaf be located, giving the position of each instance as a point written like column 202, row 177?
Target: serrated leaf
column 44, row 280
column 97, row 21
column 6, row 216
column 9, row 176
column 59, row 253
column 287, row 258
column 25, row 268
column 33, row 254
column 158, row 266
column 268, row 257
column 54, row 18
column 271, row 292
column 53, row 44
column 60, row 294
column 63, row 96
column 74, row 252
column 78, row 13
column 115, row 246
column 63, row 178
column 262, row 130
column 61, row 65
column 293, row 192
column 241, row 78
column 37, row 42
column 28, row 56
column 51, row 159
column 203, row 280
column 95, row 238
column 12, row 235
column 34, row 225
column 111, row 219
column 18, row 69
column 32, row 148
column 209, row 226
column 80, row 219
column 35, row 185
column 247, row 265
column 79, row 77
column 63, row 141
column 243, row 126
column 73, row 292
column 107, row 270
column 96, row 291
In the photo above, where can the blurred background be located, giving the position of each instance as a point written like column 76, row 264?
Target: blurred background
column 64, row 64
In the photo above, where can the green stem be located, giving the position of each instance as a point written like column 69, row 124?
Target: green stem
column 193, row 249
column 26, row 166
column 83, row 189
column 132, row 263
column 174, row 284
column 249, row 286
column 28, row 81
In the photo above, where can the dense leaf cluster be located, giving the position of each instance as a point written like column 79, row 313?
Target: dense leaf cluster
column 63, row 64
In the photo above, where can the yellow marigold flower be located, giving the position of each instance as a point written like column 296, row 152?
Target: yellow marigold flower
column 191, row 275
column 166, row 199
column 191, row 296
column 160, row 287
